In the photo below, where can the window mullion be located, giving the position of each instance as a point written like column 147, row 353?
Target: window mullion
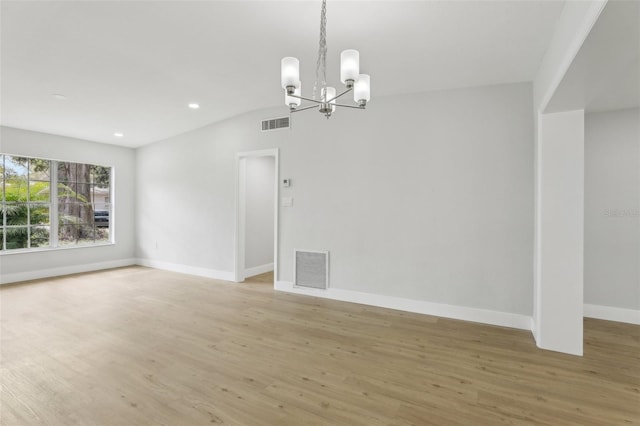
column 28, row 203
column 53, row 211
column 3, row 243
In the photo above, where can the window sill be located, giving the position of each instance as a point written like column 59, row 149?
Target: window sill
column 47, row 249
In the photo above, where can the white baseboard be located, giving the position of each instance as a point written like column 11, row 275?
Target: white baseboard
column 534, row 332
column 609, row 313
column 65, row 270
column 503, row 319
column 257, row 270
column 185, row 269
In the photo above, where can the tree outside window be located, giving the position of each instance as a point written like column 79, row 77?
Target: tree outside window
column 40, row 209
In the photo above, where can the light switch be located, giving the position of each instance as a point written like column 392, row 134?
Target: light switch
column 286, row 201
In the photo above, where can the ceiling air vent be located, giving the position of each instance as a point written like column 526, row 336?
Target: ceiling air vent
column 275, row 123
column 311, row 269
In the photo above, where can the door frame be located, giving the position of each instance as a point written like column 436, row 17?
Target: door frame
column 240, row 198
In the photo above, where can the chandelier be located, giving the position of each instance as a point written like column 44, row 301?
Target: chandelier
column 349, row 75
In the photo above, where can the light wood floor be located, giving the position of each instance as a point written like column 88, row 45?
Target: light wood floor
column 137, row 346
column 266, row 278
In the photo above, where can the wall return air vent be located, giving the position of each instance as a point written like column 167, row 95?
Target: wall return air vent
column 275, row 124
column 311, row 269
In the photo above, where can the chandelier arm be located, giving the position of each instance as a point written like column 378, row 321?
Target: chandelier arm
column 306, row 99
column 349, row 106
column 303, row 109
column 341, row 94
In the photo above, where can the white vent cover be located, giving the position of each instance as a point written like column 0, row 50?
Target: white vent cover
column 275, row 123
column 311, row 269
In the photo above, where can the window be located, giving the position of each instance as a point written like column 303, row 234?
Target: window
column 51, row 204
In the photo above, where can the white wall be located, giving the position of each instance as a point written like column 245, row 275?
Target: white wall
column 16, row 267
column 425, row 197
column 573, row 27
column 259, row 193
column 559, row 294
column 612, row 209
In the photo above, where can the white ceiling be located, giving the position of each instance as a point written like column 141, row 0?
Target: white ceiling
column 605, row 75
column 132, row 66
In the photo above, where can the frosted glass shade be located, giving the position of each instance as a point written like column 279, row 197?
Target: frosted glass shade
column 288, row 100
column 349, row 65
column 329, row 93
column 290, row 72
column 362, row 88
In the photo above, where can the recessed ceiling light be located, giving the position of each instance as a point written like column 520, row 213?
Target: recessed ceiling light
column 118, row 134
column 59, row 96
column 194, row 105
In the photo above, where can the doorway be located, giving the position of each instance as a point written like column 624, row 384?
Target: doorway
column 256, row 237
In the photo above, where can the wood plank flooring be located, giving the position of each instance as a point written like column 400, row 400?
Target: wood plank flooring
column 266, row 278
column 137, row 346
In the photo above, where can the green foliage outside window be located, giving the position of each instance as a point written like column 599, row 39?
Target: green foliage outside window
column 26, row 204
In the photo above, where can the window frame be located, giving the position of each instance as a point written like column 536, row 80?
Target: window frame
column 53, row 206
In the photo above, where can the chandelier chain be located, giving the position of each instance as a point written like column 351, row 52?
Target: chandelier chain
column 321, row 65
